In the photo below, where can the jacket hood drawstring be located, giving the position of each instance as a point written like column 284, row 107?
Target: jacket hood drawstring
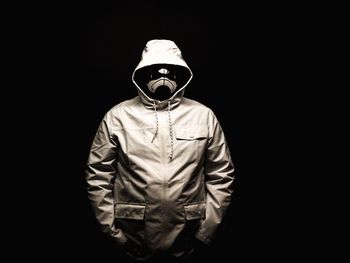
column 170, row 133
column 157, row 122
column 170, row 128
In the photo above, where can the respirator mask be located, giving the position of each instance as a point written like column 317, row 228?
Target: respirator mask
column 162, row 82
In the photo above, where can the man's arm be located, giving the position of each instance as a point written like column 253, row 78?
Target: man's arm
column 219, row 181
column 100, row 175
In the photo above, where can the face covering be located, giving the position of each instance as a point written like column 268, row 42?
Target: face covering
column 162, row 83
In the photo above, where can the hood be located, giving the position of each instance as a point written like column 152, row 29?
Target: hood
column 161, row 51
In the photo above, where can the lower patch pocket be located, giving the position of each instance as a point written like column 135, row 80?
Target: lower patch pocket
column 195, row 211
column 130, row 211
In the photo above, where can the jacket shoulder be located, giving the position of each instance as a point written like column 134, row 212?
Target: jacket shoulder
column 196, row 104
column 122, row 106
column 113, row 115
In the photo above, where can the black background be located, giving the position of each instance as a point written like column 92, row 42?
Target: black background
column 78, row 61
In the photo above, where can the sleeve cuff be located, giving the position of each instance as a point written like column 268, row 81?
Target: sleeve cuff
column 203, row 238
column 119, row 237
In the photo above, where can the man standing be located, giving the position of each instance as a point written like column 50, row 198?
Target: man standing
column 159, row 172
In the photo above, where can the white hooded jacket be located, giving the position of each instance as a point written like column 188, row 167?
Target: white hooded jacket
column 160, row 172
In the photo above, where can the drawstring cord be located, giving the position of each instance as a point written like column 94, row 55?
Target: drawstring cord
column 171, row 133
column 170, row 128
column 157, row 122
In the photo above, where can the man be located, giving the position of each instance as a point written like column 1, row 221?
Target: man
column 159, row 173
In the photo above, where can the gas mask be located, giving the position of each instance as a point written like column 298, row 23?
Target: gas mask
column 162, row 82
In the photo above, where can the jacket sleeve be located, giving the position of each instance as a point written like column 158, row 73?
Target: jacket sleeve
column 100, row 175
column 218, row 181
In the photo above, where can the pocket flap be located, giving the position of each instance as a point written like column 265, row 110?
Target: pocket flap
column 195, row 211
column 192, row 133
column 130, row 211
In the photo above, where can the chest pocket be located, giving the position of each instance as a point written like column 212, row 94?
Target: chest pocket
column 190, row 142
